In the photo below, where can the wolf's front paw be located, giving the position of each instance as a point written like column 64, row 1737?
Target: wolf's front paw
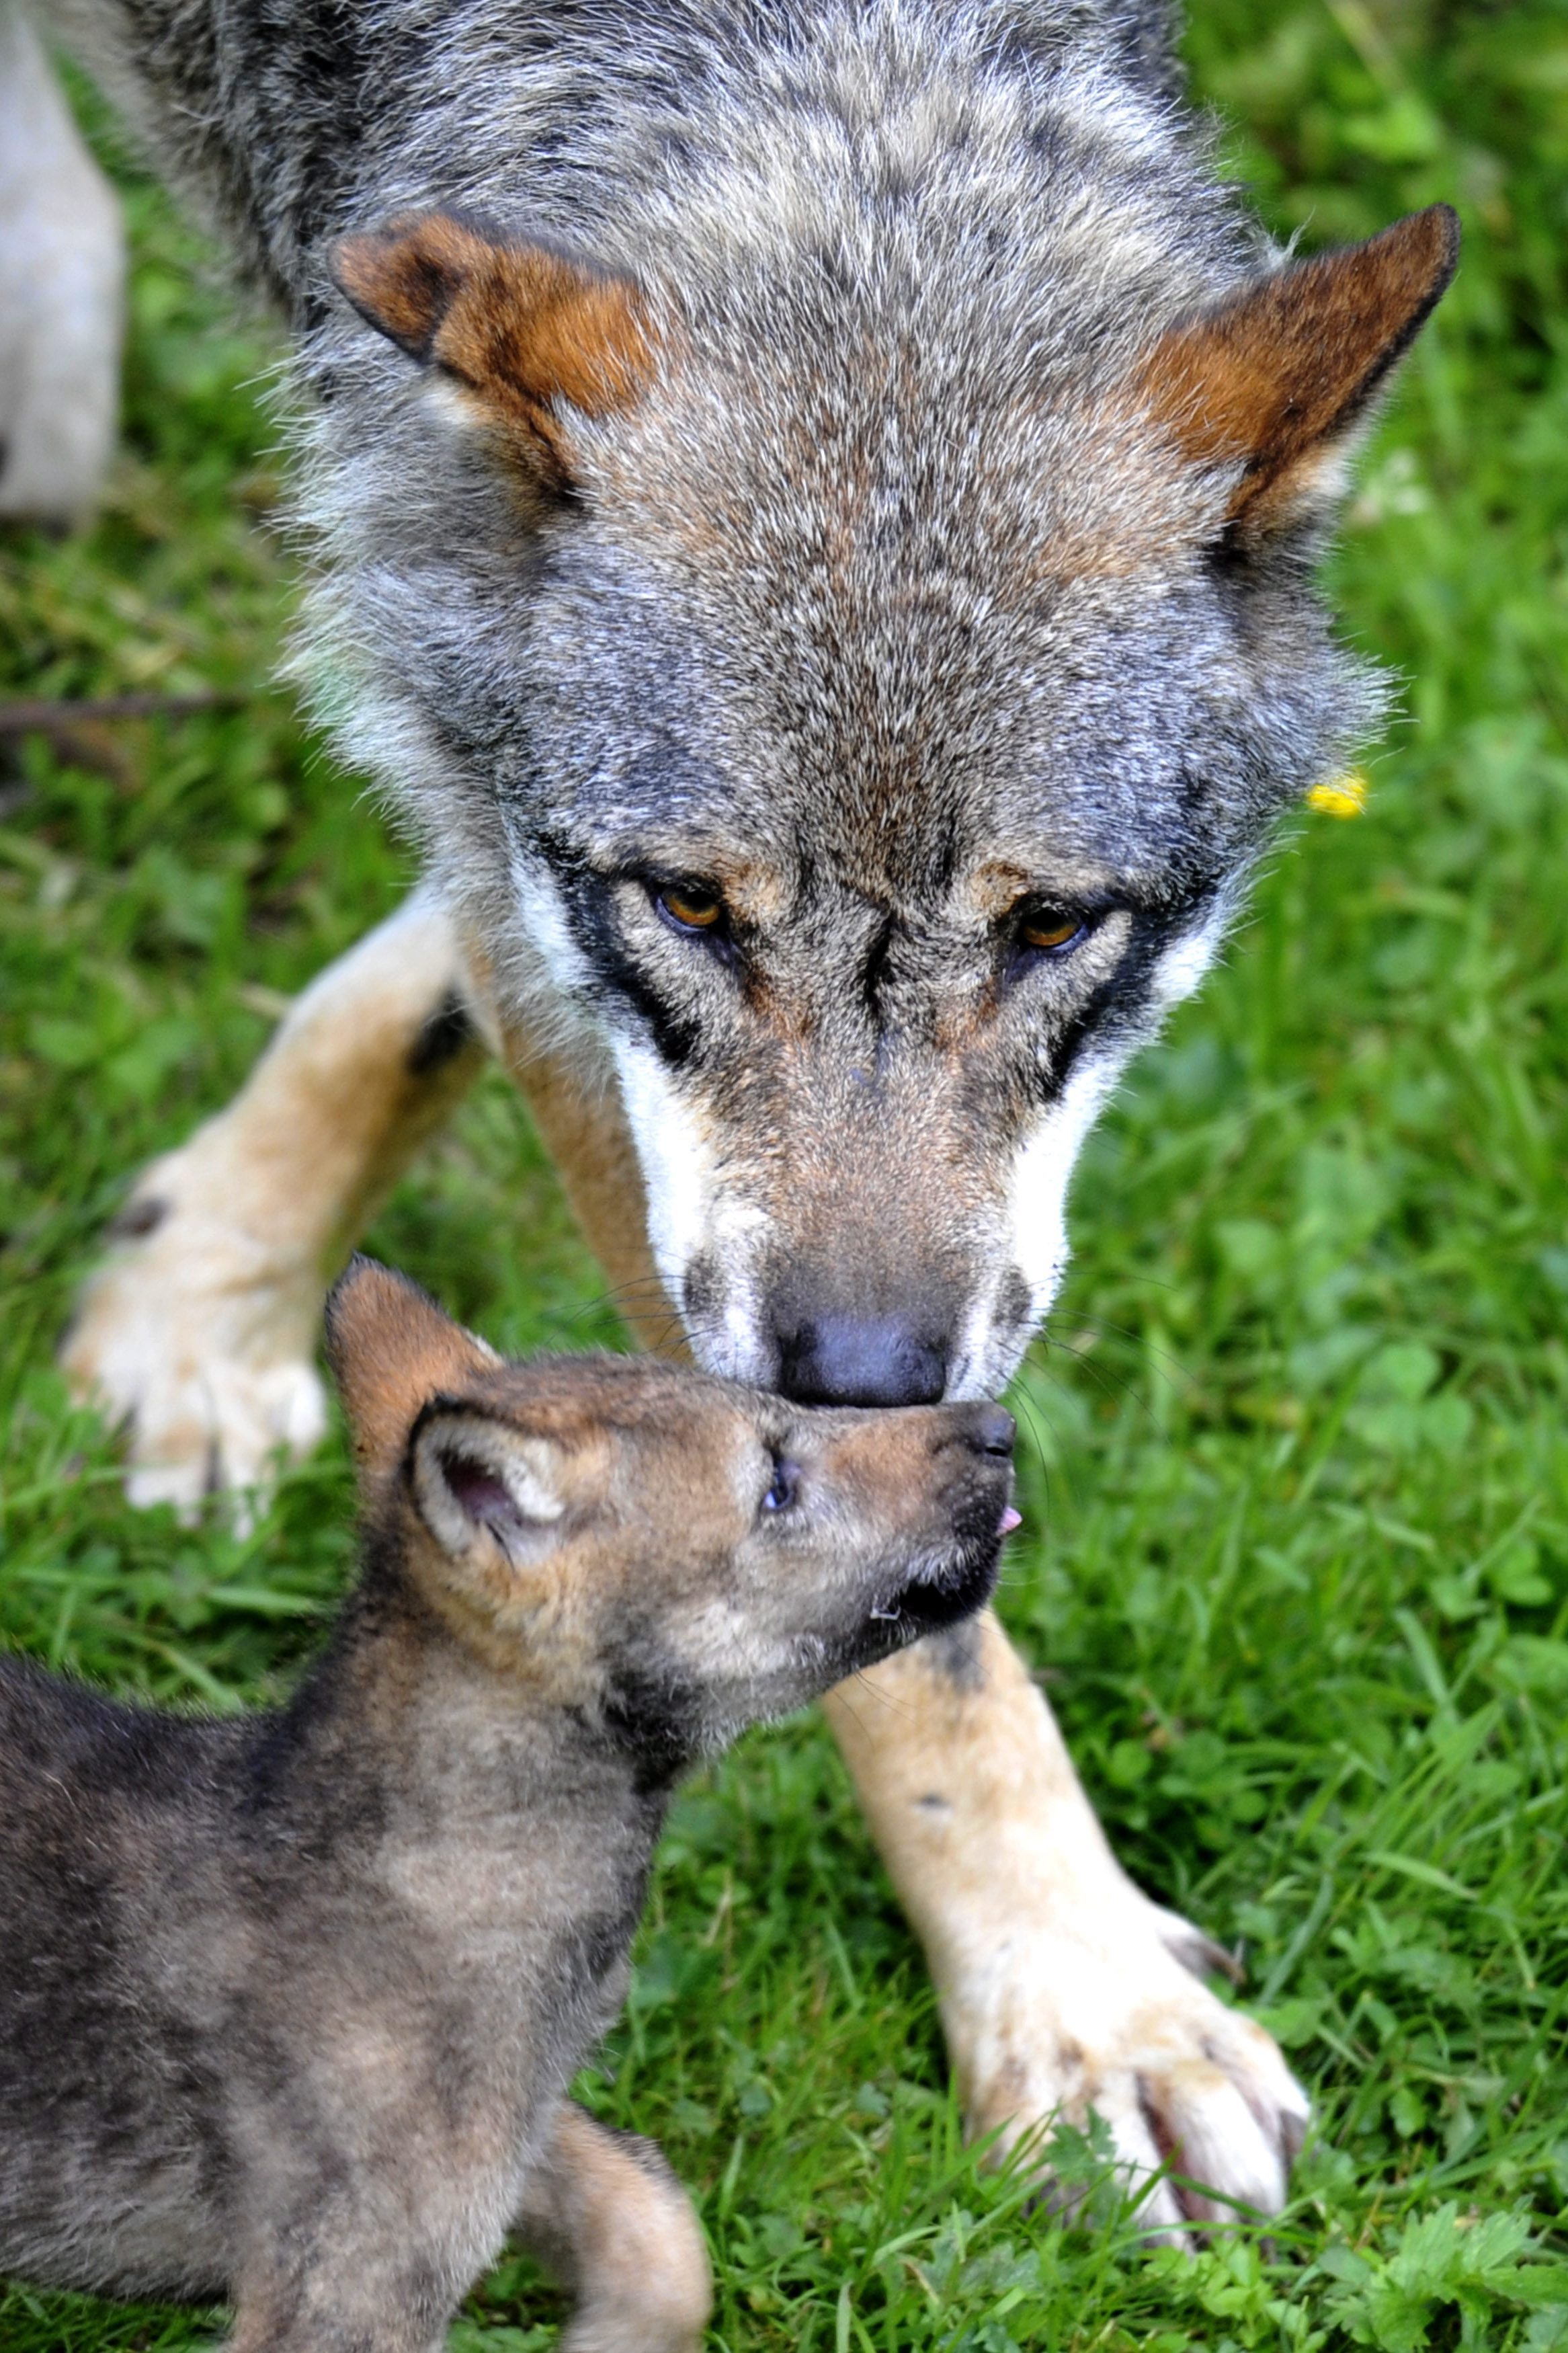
column 1113, row 2021
column 198, row 1339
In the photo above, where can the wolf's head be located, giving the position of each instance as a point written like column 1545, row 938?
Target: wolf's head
column 669, row 1555
column 848, row 648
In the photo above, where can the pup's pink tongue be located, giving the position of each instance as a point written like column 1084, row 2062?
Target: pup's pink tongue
column 1010, row 1520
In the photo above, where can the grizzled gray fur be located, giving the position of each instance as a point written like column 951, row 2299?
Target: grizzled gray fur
column 288, row 2000
column 899, row 602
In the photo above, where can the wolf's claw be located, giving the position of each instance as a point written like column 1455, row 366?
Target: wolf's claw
column 1198, row 2098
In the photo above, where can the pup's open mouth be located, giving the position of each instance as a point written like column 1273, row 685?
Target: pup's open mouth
column 949, row 1580
column 941, row 1592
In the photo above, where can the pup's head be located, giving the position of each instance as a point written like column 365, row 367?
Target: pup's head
column 855, row 634
column 670, row 1553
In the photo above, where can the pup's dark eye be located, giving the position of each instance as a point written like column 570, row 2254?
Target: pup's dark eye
column 1050, row 931
column 690, row 907
column 785, row 1487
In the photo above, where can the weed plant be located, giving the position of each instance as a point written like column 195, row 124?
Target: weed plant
column 1295, row 1566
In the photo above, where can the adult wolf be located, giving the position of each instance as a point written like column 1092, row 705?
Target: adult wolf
column 815, row 507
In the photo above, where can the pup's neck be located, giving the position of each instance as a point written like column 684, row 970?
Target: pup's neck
column 463, row 1832
column 414, row 1732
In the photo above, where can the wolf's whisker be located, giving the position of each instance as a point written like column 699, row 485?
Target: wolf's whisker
column 1121, row 1332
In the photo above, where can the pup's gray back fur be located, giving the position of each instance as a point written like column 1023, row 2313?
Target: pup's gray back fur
column 894, row 601
column 288, row 2002
column 243, row 2000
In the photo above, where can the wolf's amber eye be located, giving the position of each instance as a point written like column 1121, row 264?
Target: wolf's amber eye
column 688, row 907
column 1050, row 927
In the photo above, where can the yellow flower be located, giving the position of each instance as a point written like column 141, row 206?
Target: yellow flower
column 1346, row 796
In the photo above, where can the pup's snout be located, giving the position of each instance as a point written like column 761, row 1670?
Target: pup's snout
column 976, row 1444
column 988, row 1429
column 944, row 1478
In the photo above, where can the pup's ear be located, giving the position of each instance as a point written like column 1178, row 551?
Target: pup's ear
column 391, row 1348
column 1278, row 377
column 522, row 328
column 474, row 1476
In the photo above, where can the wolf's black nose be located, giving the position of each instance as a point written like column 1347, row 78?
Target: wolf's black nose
column 862, row 1360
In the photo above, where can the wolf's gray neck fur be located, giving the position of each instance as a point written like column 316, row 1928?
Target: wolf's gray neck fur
column 285, row 122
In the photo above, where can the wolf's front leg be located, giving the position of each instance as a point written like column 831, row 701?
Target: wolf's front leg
column 199, row 1330
column 1062, row 1988
column 608, row 2217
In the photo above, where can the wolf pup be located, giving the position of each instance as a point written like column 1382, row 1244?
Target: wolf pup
column 816, row 507
column 288, row 2002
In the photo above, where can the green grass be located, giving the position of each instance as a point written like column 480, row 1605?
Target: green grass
column 1296, row 1559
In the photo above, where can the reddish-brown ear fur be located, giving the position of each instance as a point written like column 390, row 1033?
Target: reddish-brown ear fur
column 391, row 1350
column 524, row 328
column 1276, row 375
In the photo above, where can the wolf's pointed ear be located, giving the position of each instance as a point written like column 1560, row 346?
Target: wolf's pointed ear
column 522, row 328
column 1275, row 379
column 391, row 1350
column 476, row 1477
